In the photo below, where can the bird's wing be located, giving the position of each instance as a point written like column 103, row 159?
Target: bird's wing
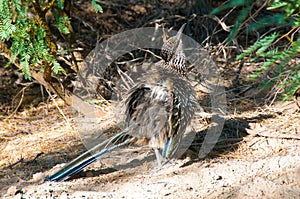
column 147, row 110
column 183, row 107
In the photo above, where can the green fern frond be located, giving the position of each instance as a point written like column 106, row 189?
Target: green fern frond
column 26, row 36
column 276, row 4
column 96, row 6
column 269, row 53
column 60, row 4
column 259, row 47
column 57, row 69
column 276, row 19
column 239, row 21
column 62, row 24
column 230, row 4
column 6, row 26
column 292, row 84
column 25, row 67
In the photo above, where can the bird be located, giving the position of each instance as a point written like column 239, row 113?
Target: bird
column 158, row 108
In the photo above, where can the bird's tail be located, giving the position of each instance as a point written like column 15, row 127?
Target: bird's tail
column 87, row 158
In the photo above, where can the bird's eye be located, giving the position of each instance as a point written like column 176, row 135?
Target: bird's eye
column 165, row 55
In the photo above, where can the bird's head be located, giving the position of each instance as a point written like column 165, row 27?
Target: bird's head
column 172, row 45
column 172, row 53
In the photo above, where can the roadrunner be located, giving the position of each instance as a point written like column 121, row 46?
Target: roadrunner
column 158, row 108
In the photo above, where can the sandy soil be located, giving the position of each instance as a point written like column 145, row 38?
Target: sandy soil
column 265, row 163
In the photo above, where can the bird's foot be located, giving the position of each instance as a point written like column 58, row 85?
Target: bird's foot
column 170, row 163
column 165, row 165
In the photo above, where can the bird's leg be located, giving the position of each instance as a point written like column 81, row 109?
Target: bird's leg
column 159, row 157
column 162, row 162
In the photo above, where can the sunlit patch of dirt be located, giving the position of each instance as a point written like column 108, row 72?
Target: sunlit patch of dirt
column 33, row 143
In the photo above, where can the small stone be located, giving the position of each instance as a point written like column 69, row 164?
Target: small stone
column 11, row 190
column 38, row 177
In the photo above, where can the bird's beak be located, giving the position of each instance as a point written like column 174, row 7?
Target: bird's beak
column 179, row 33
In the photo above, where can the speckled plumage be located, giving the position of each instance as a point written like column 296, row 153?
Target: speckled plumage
column 158, row 108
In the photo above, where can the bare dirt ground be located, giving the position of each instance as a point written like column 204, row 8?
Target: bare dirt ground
column 265, row 163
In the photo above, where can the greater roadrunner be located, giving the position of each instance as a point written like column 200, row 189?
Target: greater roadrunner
column 158, row 108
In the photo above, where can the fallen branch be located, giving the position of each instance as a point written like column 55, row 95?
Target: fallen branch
column 22, row 161
column 14, row 164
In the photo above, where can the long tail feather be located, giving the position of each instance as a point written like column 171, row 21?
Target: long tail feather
column 90, row 156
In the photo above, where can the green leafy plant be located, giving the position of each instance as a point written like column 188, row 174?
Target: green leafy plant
column 25, row 37
column 97, row 7
column 284, row 16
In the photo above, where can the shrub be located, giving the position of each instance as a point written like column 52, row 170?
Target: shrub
column 280, row 62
